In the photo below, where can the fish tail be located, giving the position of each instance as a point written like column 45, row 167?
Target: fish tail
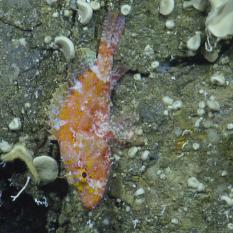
column 112, row 30
column 118, row 30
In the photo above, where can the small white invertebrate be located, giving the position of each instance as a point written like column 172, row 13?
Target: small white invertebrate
column 175, row 221
column 85, row 12
column 148, row 51
column 132, row 151
column 46, row 167
column 177, row 105
column 230, row 226
column 66, row 45
column 194, row 42
column 220, row 18
column 127, row 209
column 125, row 9
column 23, row 42
column 50, row 2
column 197, row 4
column 197, row 123
column 213, row 105
column 15, row 124
column 5, row 146
column 42, row 202
column 201, row 104
column 217, row 3
column 228, row 200
column 170, row 24
column 95, row 5
column 47, row 39
column 218, row 79
column 145, row 155
column 135, row 223
column 154, row 64
column 137, row 77
column 224, row 173
column 167, row 100
column 200, row 111
column 55, row 14
column 166, row 7
column 67, row 13
column 230, row 126
column 195, row 184
column 21, row 190
column 196, row 146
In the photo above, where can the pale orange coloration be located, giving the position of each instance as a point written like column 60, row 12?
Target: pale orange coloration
column 81, row 124
column 85, row 154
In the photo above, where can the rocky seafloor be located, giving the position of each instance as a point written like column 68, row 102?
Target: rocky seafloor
column 174, row 174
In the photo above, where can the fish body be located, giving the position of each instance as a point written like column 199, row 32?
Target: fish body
column 81, row 123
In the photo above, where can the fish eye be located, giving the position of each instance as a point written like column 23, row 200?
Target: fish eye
column 84, row 174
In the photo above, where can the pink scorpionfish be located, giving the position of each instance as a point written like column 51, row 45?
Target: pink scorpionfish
column 81, row 123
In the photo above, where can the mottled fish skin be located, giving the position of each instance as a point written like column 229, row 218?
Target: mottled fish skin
column 81, row 125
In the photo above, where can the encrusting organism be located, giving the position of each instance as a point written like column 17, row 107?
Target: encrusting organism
column 66, row 46
column 19, row 151
column 43, row 169
column 80, row 122
column 85, row 12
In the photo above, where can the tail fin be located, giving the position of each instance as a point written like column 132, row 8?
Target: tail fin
column 118, row 30
column 112, row 29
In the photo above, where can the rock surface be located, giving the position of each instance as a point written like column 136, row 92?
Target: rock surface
column 31, row 68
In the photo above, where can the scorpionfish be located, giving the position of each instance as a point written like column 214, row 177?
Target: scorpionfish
column 81, row 122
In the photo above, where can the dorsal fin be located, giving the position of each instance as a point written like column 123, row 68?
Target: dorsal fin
column 54, row 107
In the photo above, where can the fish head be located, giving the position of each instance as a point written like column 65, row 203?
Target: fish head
column 88, row 165
column 91, row 185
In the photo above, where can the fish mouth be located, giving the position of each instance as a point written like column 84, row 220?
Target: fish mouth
column 91, row 199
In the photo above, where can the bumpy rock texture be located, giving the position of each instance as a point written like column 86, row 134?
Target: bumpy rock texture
column 188, row 136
